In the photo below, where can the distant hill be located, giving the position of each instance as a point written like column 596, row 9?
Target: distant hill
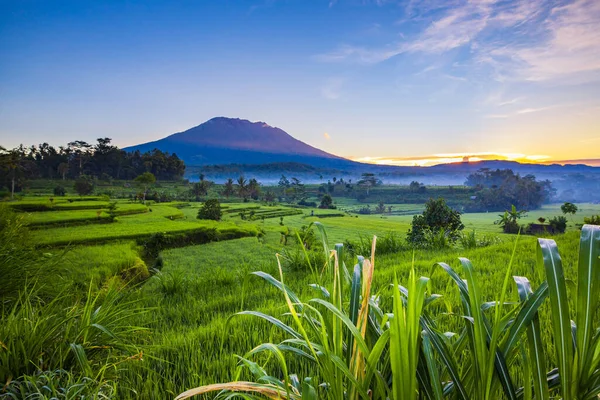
column 224, row 140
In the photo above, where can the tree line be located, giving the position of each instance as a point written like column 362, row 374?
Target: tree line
column 500, row 189
column 79, row 158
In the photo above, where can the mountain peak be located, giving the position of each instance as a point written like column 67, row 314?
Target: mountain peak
column 222, row 135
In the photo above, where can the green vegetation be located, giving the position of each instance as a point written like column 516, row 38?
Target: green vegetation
column 438, row 226
column 500, row 189
column 211, row 209
column 355, row 348
column 177, row 282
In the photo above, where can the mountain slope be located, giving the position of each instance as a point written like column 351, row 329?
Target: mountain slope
column 231, row 140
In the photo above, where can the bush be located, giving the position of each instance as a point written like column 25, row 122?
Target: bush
column 558, row 224
column 593, row 220
column 438, row 224
column 59, row 191
column 84, row 185
column 211, row 209
column 305, row 203
column 327, row 202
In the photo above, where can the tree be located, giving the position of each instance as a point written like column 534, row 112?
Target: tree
column 63, row 169
column 569, row 208
column 228, row 188
column 211, row 209
column 146, row 180
column 253, row 189
column 501, row 188
column 84, row 185
column 368, row 180
column 59, row 191
column 437, row 219
column 284, row 182
column 201, row 188
column 326, row 202
column 509, row 221
column 380, row 208
column 12, row 162
column 269, row 196
column 81, row 151
column 416, row 186
column 241, row 187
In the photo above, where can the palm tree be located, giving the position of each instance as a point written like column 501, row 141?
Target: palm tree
column 241, row 187
column 229, row 189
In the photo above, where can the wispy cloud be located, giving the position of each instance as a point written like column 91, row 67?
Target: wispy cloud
column 326, row 136
column 531, row 40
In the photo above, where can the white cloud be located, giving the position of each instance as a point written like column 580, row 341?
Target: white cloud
column 522, row 40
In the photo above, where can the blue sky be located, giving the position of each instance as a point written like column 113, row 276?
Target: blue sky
column 383, row 81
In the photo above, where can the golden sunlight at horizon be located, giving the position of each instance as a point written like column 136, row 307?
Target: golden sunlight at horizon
column 447, row 158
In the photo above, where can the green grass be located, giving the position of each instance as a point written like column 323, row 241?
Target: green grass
column 201, row 286
column 162, row 219
column 98, row 263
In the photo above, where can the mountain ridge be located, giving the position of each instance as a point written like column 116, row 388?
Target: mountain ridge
column 243, row 144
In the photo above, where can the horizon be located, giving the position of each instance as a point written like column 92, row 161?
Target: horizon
column 434, row 81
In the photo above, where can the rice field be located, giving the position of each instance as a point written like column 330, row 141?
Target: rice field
column 191, row 338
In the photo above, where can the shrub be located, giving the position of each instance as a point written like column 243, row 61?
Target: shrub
column 327, row 202
column 593, row 220
column 509, row 221
column 84, row 185
column 59, row 191
column 211, row 209
column 306, row 203
column 438, row 224
column 558, row 224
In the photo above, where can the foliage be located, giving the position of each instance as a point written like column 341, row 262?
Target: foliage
column 326, row 202
column 368, row 180
column 82, row 158
column 568, row 208
column 59, row 190
column 558, row 223
column 469, row 240
column 353, row 344
column 229, row 188
column 593, row 220
column 509, row 221
column 84, row 185
column 211, row 209
column 438, row 225
column 500, row 189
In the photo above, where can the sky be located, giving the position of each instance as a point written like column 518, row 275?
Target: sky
column 402, row 82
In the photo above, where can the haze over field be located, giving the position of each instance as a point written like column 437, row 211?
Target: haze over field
column 403, row 83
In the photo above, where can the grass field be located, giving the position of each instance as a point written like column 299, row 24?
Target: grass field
column 191, row 339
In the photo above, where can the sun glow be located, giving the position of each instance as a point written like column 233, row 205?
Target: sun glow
column 447, row 158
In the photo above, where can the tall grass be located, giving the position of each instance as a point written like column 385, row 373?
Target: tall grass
column 357, row 346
